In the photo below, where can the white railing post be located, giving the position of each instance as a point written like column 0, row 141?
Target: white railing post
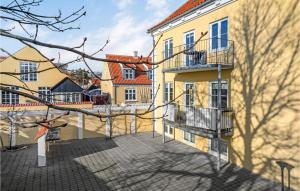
column 133, row 121
column 108, row 124
column 42, row 149
column 80, row 125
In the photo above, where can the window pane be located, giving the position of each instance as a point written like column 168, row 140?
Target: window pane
column 214, row 31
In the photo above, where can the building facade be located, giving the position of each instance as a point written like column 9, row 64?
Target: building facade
column 127, row 84
column 51, row 85
column 256, row 131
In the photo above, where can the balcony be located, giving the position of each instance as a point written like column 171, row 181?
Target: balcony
column 199, row 121
column 205, row 55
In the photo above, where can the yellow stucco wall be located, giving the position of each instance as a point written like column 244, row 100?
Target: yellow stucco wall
column 279, row 138
column 117, row 92
column 43, row 79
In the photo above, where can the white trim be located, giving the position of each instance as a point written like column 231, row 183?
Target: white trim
column 184, row 41
column 186, row 141
column 210, row 91
column 214, row 153
column 219, row 48
column 193, row 15
column 184, row 97
column 135, row 93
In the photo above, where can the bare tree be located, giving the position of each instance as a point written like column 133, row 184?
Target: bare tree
column 21, row 13
column 267, row 70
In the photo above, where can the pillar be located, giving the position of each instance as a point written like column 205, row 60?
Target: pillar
column 42, row 150
column 133, row 121
column 80, row 125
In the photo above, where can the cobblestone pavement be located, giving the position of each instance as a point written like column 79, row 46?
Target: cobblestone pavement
column 132, row 162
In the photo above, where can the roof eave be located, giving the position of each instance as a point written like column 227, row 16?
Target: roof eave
column 151, row 30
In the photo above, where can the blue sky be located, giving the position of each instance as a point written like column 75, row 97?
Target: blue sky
column 124, row 22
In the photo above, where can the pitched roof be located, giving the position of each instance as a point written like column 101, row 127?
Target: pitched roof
column 66, row 85
column 187, row 6
column 141, row 77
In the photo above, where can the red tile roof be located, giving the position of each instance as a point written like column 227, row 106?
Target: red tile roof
column 190, row 4
column 141, row 77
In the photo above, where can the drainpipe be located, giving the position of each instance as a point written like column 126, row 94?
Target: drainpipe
column 153, row 88
column 219, row 115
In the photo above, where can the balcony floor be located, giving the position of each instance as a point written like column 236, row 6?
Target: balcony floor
column 197, row 68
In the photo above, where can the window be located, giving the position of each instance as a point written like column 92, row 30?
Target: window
column 168, row 48
column 128, row 73
column 130, row 95
column 219, row 34
column 150, row 74
column 27, row 68
column 214, row 94
column 189, row 95
column 45, row 93
column 71, row 97
column 189, row 137
column 189, row 43
column 169, row 130
column 169, row 92
column 214, row 146
column 10, row 98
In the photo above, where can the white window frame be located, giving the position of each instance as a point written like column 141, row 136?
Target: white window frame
column 167, row 89
column 168, row 129
column 214, row 153
column 45, row 94
column 11, row 96
column 128, row 73
column 184, row 42
column 168, row 43
column 132, row 92
column 219, row 48
column 194, row 86
column 211, row 88
column 26, row 67
column 189, row 140
column 70, row 94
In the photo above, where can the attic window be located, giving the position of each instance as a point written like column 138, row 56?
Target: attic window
column 128, row 73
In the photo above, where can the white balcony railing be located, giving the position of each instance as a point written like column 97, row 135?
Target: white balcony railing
column 203, row 118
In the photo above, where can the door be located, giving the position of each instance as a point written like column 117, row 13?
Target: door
column 189, row 42
column 189, row 104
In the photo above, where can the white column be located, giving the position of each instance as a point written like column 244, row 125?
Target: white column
column 133, row 121
column 80, row 125
column 108, row 124
column 42, row 150
column 12, row 134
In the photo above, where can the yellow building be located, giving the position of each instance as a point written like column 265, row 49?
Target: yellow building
column 127, row 84
column 49, row 85
column 254, row 45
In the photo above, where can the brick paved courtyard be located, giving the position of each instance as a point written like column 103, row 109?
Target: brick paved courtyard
column 133, row 162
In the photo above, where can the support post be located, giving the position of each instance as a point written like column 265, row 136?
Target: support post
column 12, row 135
column 164, row 101
column 219, row 115
column 108, row 124
column 133, row 121
column 80, row 125
column 42, row 150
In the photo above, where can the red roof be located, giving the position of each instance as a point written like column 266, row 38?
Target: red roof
column 190, row 4
column 141, row 77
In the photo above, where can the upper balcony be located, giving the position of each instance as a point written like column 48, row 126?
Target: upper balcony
column 202, row 56
column 197, row 120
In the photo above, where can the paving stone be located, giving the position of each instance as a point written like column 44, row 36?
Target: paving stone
column 131, row 162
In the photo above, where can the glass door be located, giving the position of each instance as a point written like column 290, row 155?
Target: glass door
column 189, row 43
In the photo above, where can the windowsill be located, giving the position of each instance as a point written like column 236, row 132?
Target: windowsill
column 130, row 100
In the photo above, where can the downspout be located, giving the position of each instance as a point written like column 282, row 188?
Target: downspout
column 153, row 87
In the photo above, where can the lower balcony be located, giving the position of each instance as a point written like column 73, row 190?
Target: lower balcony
column 199, row 121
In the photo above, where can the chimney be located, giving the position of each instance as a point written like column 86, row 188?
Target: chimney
column 135, row 53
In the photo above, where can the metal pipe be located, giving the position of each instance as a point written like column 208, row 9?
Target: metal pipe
column 219, row 116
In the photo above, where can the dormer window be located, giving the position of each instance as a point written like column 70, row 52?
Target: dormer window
column 128, row 73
